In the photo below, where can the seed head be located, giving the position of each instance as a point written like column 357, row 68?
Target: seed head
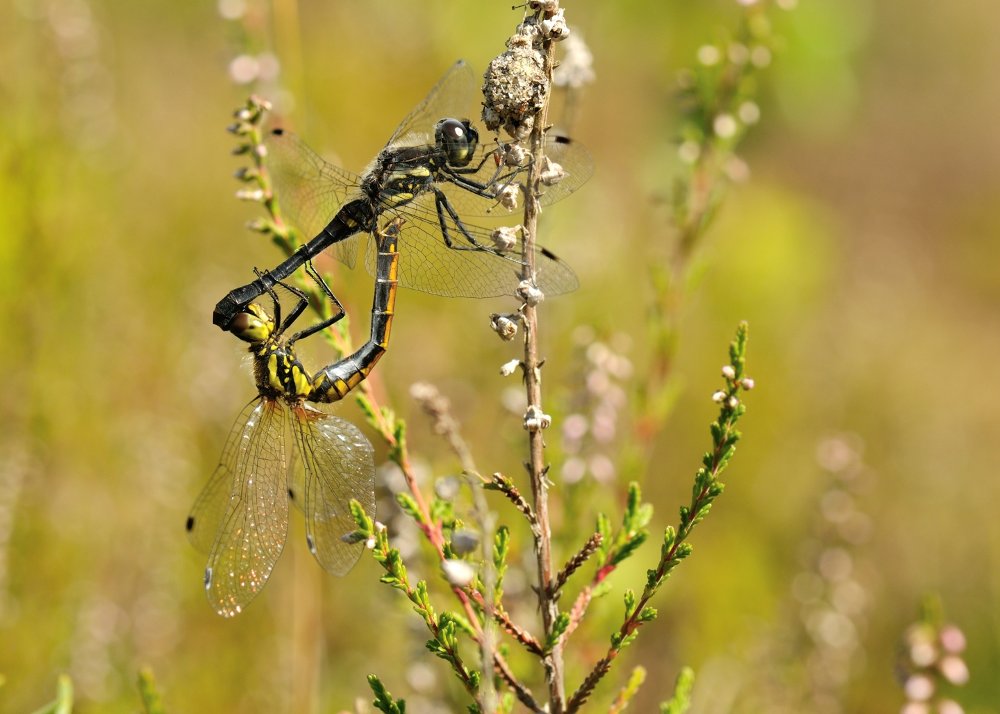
column 528, row 292
column 505, row 238
column 535, row 419
column 551, row 173
column 508, row 196
column 504, row 326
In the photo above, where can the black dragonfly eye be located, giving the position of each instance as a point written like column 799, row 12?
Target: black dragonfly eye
column 458, row 139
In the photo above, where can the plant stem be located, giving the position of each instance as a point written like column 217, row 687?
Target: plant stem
column 553, row 660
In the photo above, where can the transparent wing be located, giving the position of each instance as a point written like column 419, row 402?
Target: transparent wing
column 310, row 189
column 208, row 509
column 339, row 465
column 477, row 270
column 572, row 156
column 575, row 161
column 246, row 505
column 451, row 97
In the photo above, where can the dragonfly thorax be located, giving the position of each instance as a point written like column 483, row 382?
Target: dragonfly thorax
column 278, row 372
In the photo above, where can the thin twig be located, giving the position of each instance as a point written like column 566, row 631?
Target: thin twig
column 438, row 408
column 522, row 693
column 505, row 486
column 535, row 419
column 576, row 561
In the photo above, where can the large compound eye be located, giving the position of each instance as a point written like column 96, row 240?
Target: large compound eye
column 252, row 324
column 458, row 139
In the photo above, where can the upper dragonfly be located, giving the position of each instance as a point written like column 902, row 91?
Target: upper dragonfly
column 433, row 173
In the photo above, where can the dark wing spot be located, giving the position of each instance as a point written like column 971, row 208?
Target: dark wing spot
column 278, row 132
column 189, row 526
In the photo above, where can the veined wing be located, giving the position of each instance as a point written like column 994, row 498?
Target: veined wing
column 427, row 264
column 310, row 189
column 339, row 466
column 245, row 505
column 451, row 97
column 575, row 161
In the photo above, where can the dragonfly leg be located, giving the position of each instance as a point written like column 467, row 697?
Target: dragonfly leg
column 486, row 189
column 322, row 324
column 300, row 303
column 239, row 298
column 444, row 207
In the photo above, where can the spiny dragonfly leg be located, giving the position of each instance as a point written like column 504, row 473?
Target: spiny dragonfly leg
column 444, row 206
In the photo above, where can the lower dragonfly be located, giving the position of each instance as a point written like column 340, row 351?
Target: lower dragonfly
column 241, row 516
column 435, row 173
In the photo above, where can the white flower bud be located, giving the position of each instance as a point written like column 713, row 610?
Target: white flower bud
column 508, row 368
column 529, row 293
column 535, row 419
column 458, row 572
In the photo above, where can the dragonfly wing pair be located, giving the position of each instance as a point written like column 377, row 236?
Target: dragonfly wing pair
column 241, row 516
column 469, row 263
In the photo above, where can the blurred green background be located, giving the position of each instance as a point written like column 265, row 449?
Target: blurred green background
column 863, row 251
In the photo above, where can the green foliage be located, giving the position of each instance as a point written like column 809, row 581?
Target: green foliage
column 680, row 702
column 152, row 700
column 63, row 703
column 383, row 700
column 628, row 692
column 501, row 547
column 616, row 547
column 409, row 506
column 559, row 627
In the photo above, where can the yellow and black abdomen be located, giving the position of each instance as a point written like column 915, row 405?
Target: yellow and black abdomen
column 332, row 383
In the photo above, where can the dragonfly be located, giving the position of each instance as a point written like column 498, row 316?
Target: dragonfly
column 435, row 174
column 241, row 516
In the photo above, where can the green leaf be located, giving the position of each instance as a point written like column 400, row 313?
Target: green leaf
column 383, row 700
column 559, row 626
column 629, row 601
column 507, row 703
column 629, row 547
column 63, row 703
column 644, row 515
column 152, row 702
column 409, row 506
column 633, row 503
column 361, row 518
column 681, row 701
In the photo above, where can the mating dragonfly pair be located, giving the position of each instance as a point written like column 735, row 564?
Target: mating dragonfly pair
column 418, row 195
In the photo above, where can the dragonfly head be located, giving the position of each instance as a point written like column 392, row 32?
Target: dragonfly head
column 252, row 324
column 458, row 139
